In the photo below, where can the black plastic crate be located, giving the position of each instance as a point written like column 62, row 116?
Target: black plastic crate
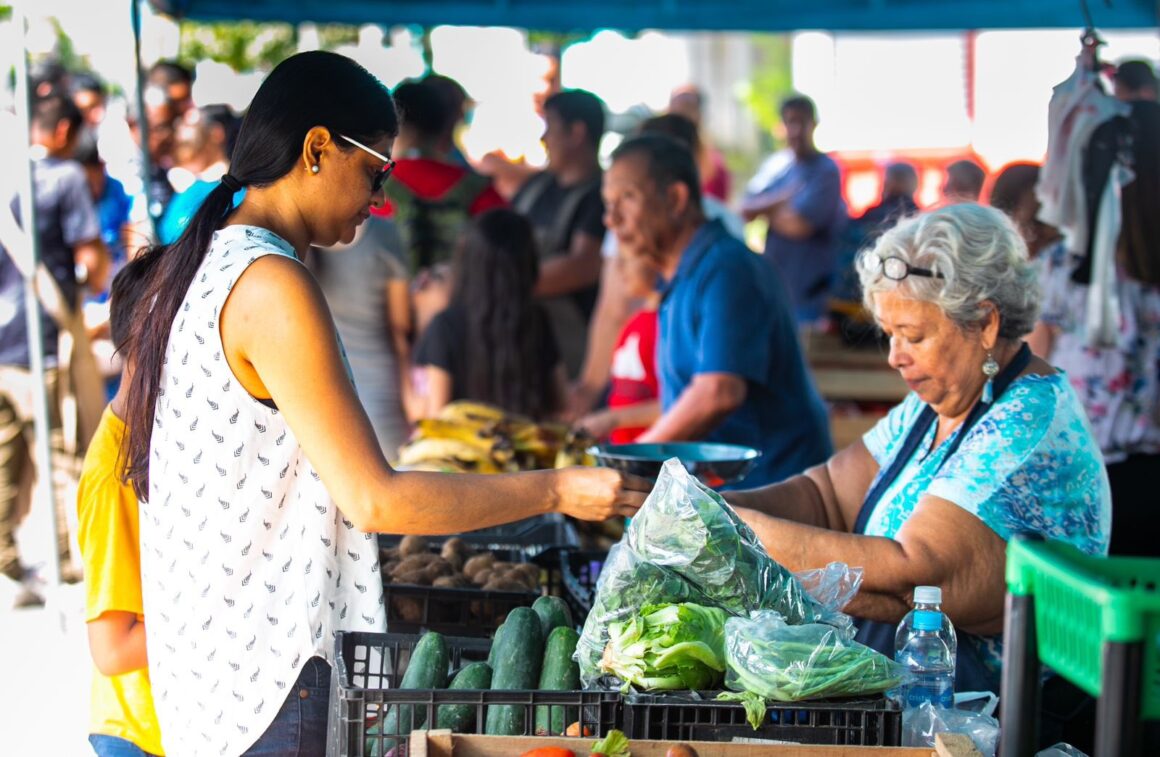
column 368, row 668
column 874, row 721
column 524, row 539
column 458, row 612
column 465, row 611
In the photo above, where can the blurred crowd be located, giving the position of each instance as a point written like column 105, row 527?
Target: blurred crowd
column 499, row 282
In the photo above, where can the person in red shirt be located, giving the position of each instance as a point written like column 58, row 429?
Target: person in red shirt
column 634, row 392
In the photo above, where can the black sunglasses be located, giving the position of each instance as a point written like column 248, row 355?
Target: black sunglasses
column 388, row 165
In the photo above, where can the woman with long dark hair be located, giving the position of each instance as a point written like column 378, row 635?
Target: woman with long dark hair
column 494, row 342
column 261, row 474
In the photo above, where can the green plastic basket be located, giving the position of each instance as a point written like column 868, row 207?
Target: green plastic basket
column 1081, row 602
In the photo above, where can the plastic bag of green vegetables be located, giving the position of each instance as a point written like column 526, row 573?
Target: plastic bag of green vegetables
column 668, row 647
column 768, row 657
column 686, row 544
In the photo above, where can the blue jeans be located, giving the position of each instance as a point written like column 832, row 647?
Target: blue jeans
column 114, row 746
column 299, row 728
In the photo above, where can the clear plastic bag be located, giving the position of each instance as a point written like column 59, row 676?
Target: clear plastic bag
column 687, row 545
column 832, row 586
column 766, row 656
column 921, row 724
column 1060, row 750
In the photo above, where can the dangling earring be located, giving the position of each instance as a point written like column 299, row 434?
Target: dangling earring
column 314, row 168
column 990, row 369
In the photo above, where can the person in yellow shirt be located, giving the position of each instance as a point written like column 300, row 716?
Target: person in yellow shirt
column 124, row 723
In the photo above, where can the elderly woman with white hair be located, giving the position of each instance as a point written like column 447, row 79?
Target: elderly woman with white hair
column 990, row 442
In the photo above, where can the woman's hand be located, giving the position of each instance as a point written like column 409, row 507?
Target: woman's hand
column 599, row 493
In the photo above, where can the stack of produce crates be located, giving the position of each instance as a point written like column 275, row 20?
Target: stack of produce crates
column 472, row 611
column 1094, row 621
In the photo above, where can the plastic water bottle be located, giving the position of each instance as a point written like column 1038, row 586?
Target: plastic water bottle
column 925, row 643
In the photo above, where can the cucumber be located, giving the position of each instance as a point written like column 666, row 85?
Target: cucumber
column 427, row 669
column 460, row 718
column 553, row 613
column 518, row 656
column 495, row 644
column 559, row 673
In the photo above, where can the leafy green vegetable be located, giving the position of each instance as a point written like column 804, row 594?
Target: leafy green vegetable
column 687, row 545
column 755, row 705
column 668, row 647
column 772, row 659
column 614, row 744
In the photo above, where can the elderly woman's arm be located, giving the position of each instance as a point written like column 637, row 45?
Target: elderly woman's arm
column 940, row 545
column 827, row 496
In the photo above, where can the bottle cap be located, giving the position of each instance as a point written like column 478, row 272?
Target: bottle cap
column 928, row 595
column 927, row 620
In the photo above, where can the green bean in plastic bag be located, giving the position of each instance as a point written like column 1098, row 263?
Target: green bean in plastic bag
column 768, row 657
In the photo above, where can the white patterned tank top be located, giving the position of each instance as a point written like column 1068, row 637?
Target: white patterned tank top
column 248, row 567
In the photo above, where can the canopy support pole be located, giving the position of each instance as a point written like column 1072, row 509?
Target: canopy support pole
column 43, row 492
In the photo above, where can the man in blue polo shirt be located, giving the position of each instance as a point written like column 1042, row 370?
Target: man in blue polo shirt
column 728, row 358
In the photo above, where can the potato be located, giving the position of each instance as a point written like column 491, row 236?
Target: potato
column 503, row 567
column 389, row 567
column 501, row 583
column 453, row 581
column 453, row 558
column 529, row 572
column 413, row 545
column 412, row 563
column 417, row 577
column 438, row 569
column 478, row 563
column 482, row 577
column 388, row 555
column 456, row 546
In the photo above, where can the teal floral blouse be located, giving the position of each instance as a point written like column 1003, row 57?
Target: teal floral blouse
column 1029, row 465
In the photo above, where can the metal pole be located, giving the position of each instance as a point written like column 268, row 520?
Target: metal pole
column 43, row 503
column 142, row 118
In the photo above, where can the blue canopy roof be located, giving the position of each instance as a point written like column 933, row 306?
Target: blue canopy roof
column 741, row 15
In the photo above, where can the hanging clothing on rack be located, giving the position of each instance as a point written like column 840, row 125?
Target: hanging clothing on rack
column 1078, row 106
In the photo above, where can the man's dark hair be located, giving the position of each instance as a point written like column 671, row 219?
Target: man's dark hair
column 579, row 106
column 1012, row 184
column 454, row 98
column 421, row 107
column 86, row 152
column 800, row 104
column 669, row 162
column 86, row 82
column 170, row 72
column 128, row 287
column 967, row 176
column 49, row 111
column 1136, row 75
column 48, row 77
column 676, row 126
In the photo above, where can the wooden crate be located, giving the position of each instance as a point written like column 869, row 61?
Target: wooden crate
column 447, row 744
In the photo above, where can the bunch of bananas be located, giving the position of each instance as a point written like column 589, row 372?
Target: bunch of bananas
column 472, row 437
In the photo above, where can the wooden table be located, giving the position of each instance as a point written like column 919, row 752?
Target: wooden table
column 447, row 744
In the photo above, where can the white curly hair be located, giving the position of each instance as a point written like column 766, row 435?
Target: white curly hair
column 980, row 256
